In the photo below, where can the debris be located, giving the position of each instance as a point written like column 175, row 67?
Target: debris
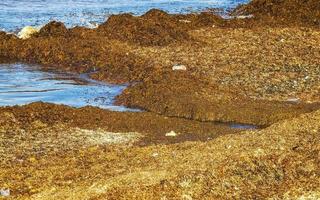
column 4, row 192
column 293, row 100
column 244, row 16
column 155, row 155
column 179, row 67
column 27, row 32
column 171, row 134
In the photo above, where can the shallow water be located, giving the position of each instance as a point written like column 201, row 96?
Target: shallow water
column 15, row 14
column 22, row 84
column 243, row 126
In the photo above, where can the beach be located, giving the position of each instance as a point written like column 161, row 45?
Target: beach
column 228, row 108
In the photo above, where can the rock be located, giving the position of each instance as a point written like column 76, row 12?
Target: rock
column 179, row 67
column 171, row 134
column 27, row 32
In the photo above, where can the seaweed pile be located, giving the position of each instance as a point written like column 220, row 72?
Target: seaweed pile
column 283, row 12
column 115, row 52
column 187, row 72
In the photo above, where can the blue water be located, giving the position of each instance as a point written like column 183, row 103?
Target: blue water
column 22, row 84
column 243, row 126
column 15, row 14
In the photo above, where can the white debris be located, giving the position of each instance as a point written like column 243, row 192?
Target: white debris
column 27, row 32
column 244, row 16
column 155, row 155
column 179, row 67
column 171, row 134
column 4, row 192
column 293, row 100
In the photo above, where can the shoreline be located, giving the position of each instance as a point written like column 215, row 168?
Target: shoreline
column 187, row 72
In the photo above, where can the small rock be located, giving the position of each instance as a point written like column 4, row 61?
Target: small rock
column 4, row 192
column 179, row 67
column 171, row 134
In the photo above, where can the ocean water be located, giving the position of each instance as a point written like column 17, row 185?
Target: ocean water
column 15, row 14
column 22, row 84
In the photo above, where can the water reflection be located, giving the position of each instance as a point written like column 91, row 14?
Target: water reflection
column 22, row 84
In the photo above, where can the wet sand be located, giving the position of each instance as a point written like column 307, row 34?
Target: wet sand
column 261, row 70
